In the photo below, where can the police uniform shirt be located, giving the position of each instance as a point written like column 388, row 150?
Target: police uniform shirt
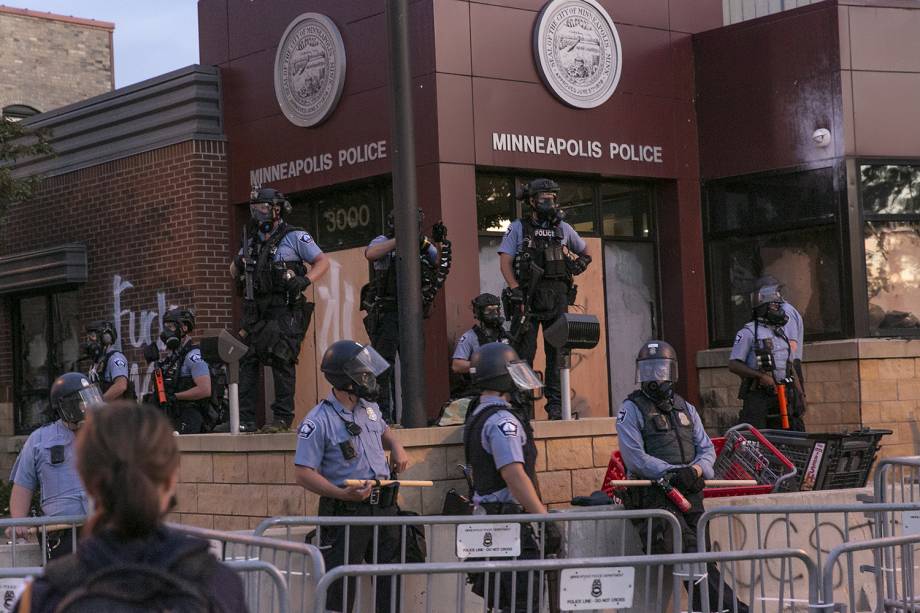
column 296, row 246
column 384, row 262
column 630, row 423
column 514, row 238
column 503, row 438
column 194, row 365
column 743, row 349
column 794, row 329
column 61, row 490
column 323, row 431
column 116, row 365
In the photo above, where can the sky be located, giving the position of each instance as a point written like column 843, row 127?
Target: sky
column 151, row 37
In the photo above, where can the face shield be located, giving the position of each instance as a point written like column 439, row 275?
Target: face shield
column 766, row 294
column 73, row 407
column 261, row 211
column 365, row 367
column 656, row 369
column 523, row 376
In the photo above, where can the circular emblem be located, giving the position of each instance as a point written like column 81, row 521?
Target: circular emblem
column 309, row 69
column 577, row 50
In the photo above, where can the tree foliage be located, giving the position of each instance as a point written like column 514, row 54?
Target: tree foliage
column 18, row 142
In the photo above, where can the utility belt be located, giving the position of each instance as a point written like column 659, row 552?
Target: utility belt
column 381, row 497
column 502, row 508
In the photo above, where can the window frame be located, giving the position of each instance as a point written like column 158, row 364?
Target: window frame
column 842, row 234
column 859, row 235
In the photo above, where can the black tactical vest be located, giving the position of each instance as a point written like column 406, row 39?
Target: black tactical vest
column 485, row 338
column 269, row 274
column 544, row 247
column 384, row 281
column 176, row 383
column 486, row 477
column 666, row 434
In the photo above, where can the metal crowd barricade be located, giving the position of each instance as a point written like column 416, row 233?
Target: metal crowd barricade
column 588, row 533
column 897, row 480
column 27, row 550
column 889, row 583
column 298, row 565
column 585, row 583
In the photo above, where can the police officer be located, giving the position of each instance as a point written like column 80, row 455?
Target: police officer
column 500, row 448
column 110, row 366
column 186, row 376
column 48, row 460
column 540, row 254
column 762, row 358
column 795, row 326
column 277, row 264
column 379, row 296
column 661, row 436
column 490, row 329
column 344, row 437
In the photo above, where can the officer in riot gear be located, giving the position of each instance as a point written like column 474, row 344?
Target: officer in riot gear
column 795, row 325
column 379, row 296
column 183, row 373
column 488, row 329
column 276, row 266
column 762, row 356
column 661, row 436
column 344, row 437
column 499, row 445
column 109, row 368
column 540, row 255
column 48, row 461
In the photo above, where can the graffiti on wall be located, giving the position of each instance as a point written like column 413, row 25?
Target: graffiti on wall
column 135, row 329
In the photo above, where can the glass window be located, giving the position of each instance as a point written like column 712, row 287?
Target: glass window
column 342, row 218
column 625, row 210
column 576, row 198
column 494, row 202
column 890, row 190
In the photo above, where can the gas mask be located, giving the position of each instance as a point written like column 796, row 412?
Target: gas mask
column 658, row 390
column 263, row 214
column 91, row 347
column 547, row 209
column 171, row 336
column 771, row 313
column 491, row 317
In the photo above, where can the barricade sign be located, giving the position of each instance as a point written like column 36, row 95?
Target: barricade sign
column 587, row 589
column 10, row 589
column 910, row 522
column 499, row 540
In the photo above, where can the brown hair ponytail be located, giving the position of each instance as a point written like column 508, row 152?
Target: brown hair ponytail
column 126, row 454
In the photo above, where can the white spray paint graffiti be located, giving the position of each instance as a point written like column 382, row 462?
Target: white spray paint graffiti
column 139, row 329
column 337, row 320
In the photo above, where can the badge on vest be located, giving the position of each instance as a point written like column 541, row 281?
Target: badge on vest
column 683, row 418
column 371, row 415
column 508, row 428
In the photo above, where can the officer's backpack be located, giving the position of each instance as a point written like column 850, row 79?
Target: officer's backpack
column 133, row 588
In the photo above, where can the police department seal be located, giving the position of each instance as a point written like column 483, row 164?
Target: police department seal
column 309, row 69
column 577, row 51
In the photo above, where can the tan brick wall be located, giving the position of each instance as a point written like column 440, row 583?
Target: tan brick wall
column 48, row 63
column 233, row 483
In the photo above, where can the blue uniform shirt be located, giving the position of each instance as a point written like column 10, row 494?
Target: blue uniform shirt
column 794, row 329
column 296, row 246
column 503, row 438
column 324, row 429
column 468, row 345
column 743, row 349
column 514, row 238
column 641, row 465
column 116, row 365
column 194, row 365
column 384, row 262
column 61, row 489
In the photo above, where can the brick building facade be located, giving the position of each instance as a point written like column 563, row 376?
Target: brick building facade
column 51, row 60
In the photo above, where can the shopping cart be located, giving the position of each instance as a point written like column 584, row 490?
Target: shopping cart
column 743, row 453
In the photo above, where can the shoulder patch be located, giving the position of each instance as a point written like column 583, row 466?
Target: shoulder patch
column 508, row 427
column 621, row 416
column 307, row 428
column 306, row 238
column 120, row 363
column 737, row 338
column 194, row 356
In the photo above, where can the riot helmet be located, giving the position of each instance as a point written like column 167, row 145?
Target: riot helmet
column 72, row 394
column 177, row 323
column 496, row 366
column 99, row 336
column 656, row 369
column 352, row 367
column 487, row 309
column 767, row 306
column 543, row 197
column 267, row 206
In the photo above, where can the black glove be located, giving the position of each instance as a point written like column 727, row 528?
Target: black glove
column 240, row 263
column 171, row 399
column 515, row 296
column 579, row 264
column 423, row 244
column 297, row 284
column 438, row 232
column 686, row 480
column 552, row 538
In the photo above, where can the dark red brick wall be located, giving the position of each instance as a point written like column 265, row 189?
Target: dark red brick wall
column 157, row 220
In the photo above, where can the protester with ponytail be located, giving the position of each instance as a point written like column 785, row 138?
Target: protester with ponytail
column 129, row 463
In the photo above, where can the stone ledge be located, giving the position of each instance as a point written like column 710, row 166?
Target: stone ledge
column 830, row 351
column 410, row 438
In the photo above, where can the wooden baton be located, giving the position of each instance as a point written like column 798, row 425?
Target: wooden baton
column 401, row 482
column 709, row 482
